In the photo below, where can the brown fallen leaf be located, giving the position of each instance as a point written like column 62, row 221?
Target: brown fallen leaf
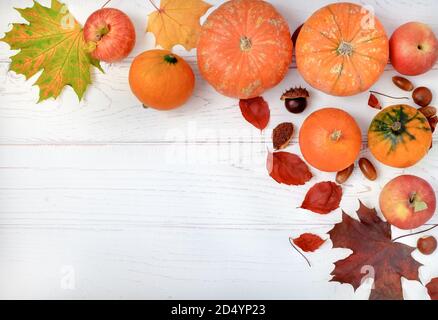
column 308, row 242
column 177, row 22
column 432, row 288
column 255, row 111
column 288, row 168
column 374, row 254
column 323, row 197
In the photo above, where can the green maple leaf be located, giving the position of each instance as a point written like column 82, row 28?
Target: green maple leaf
column 53, row 42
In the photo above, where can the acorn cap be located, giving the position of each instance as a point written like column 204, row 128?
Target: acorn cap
column 294, row 93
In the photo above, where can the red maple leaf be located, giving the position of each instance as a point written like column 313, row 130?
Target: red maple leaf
column 288, row 168
column 323, row 197
column 432, row 288
column 373, row 252
column 255, row 111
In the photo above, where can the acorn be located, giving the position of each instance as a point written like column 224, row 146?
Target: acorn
column 295, row 99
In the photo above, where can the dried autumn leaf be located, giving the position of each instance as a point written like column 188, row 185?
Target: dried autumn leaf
column 374, row 254
column 288, row 168
column 177, row 22
column 432, row 289
column 308, row 242
column 255, row 111
column 53, row 42
column 373, row 102
column 323, row 197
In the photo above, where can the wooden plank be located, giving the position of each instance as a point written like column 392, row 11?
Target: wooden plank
column 126, row 187
column 111, row 114
column 139, row 222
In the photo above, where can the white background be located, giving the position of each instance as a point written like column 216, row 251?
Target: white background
column 103, row 199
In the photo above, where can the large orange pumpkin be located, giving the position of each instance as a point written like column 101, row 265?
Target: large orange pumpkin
column 161, row 79
column 342, row 49
column 330, row 139
column 399, row 136
column 245, row 48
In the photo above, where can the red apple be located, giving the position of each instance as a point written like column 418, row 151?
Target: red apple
column 407, row 202
column 413, row 49
column 112, row 33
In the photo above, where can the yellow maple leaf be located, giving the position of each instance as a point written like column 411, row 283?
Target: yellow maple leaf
column 177, row 22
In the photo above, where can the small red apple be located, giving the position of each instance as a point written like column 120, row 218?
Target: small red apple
column 413, row 49
column 407, row 202
column 112, row 33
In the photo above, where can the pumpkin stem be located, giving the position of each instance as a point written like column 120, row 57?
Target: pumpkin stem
column 336, row 135
column 396, row 126
column 345, row 49
column 245, row 43
column 170, row 58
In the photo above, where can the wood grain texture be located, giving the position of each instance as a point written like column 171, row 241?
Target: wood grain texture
column 142, row 204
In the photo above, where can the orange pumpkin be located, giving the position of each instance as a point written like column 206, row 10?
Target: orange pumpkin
column 330, row 139
column 161, row 80
column 342, row 49
column 245, row 48
column 399, row 136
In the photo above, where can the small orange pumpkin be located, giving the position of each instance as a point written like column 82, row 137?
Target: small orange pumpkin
column 161, row 79
column 330, row 139
column 399, row 136
column 244, row 48
column 342, row 49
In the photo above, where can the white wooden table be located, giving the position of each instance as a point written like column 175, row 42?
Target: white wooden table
column 103, row 199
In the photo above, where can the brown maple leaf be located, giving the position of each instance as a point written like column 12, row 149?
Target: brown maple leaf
column 432, row 288
column 373, row 252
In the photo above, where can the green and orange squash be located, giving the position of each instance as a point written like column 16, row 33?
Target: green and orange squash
column 399, row 136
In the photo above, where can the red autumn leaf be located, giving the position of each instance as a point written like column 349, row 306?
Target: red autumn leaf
column 374, row 255
column 288, row 168
column 373, row 102
column 308, row 242
column 323, row 197
column 432, row 289
column 255, row 111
